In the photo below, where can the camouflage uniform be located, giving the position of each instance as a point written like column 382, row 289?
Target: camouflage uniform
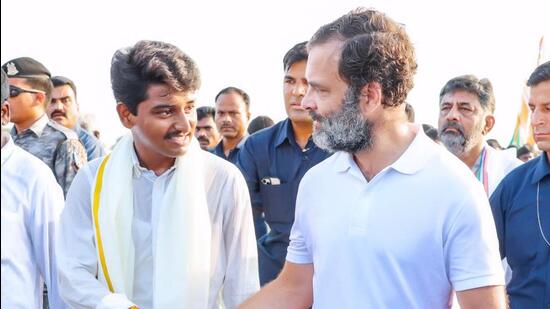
column 56, row 145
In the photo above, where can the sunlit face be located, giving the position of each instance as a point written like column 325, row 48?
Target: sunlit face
column 326, row 89
column 231, row 115
column 63, row 108
column 25, row 106
column 165, row 123
column 461, row 121
column 539, row 104
column 339, row 124
column 207, row 134
column 294, row 89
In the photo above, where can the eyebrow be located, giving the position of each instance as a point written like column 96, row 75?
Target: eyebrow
column 61, row 98
column 289, row 77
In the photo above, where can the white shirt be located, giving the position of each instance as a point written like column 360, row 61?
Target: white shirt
column 234, row 263
column 404, row 239
column 31, row 204
column 499, row 164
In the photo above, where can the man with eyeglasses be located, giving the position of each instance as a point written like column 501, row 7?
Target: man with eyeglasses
column 30, row 90
column 65, row 110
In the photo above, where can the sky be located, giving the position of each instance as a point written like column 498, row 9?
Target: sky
column 242, row 43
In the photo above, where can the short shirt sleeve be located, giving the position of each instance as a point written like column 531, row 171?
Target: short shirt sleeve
column 471, row 246
column 298, row 250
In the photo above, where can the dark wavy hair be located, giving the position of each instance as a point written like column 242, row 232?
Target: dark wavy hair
column 376, row 49
column 147, row 63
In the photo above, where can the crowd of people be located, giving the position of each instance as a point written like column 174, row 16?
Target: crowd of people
column 346, row 203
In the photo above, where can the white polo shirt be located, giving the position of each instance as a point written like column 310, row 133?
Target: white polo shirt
column 419, row 229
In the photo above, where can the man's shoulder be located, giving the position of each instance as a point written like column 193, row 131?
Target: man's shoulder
column 520, row 173
column 214, row 166
column 60, row 131
column 30, row 167
column 266, row 136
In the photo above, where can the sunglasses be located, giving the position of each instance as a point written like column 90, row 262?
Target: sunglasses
column 15, row 91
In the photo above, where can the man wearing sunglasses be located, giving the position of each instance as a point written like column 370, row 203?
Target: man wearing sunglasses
column 30, row 90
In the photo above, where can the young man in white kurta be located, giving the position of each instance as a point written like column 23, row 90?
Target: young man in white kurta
column 232, row 238
column 31, row 204
column 168, row 225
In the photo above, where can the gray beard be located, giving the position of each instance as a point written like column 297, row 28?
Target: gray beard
column 458, row 144
column 345, row 130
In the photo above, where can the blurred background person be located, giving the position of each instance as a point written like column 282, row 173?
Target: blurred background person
column 207, row 133
column 259, row 123
column 64, row 109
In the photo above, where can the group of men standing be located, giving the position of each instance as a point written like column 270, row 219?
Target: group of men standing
column 343, row 204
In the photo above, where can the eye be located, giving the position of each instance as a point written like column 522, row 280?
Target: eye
column 290, row 81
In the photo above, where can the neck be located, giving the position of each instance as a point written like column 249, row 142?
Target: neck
column 390, row 142
column 548, row 156
column 24, row 125
column 302, row 132
column 470, row 157
column 230, row 144
column 153, row 161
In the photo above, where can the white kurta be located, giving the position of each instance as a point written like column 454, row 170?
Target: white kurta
column 31, row 204
column 234, row 275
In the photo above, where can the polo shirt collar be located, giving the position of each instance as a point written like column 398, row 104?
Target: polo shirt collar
column 410, row 162
column 541, row 168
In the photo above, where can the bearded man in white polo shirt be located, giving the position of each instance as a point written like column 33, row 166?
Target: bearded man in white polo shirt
column 159, row 223
column 391, row 220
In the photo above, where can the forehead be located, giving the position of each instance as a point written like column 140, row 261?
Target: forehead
column 19, row 82
column 460, row 96
column 540, row 93
column 230, row 101
column 297, row 69
column 205, row 122
column 323, row 61
column 163, row 94
column 62, row 91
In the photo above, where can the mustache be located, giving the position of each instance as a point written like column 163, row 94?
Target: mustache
column 58, row 113
column 315, row 116
column 169, row 135
column 203, row 139
column 455, row 125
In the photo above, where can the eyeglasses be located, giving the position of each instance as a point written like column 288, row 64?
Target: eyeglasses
column 15, row 91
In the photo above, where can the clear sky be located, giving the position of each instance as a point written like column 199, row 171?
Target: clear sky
column 242, row 43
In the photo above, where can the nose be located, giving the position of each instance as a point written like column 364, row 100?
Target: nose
column 56, row 106
column 308, row 102
column 201, row 132
column 453, row 114
column 182, row 122
column 299, row 89
column 537, row 117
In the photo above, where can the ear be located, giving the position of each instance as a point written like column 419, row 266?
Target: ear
column 125, row 116
column 489, row 124
column 371, row 97
column 5, row 113
column 41, row 99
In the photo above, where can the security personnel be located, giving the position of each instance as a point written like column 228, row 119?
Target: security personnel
column 30, row 93
column 273, row 161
